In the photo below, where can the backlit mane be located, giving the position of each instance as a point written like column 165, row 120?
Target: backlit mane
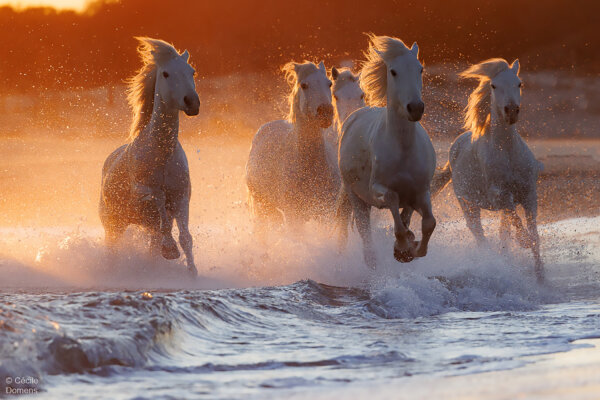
column 140, row 88
column 294, row 73
column 373, row 76
column 344, row 77
column 477, row 112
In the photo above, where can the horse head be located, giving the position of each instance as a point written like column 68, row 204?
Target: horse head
column 175, row 83
column 506, row 93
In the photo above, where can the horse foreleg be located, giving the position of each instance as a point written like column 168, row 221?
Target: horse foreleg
column 522, row 235
column 406, row 216
column 168, row 246
column 428, row 224
column 531, row 217
column 473, row 218
column 403, row 249
column 185, row 237
column 362, row 215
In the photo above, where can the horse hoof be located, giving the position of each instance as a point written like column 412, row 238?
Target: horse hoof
column 403, row 256
column 170, row 252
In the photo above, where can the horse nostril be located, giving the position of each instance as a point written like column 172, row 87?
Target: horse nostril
column 517, row 110
column 187, row 101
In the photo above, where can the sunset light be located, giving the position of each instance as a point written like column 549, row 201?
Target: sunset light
column 310, row 200
column 77, row 5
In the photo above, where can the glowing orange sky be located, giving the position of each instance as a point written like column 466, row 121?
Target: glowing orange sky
column 60, row 4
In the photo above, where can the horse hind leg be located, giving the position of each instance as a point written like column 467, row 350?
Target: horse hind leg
column 342, row 216
column 362, row 215
column 473, row 218
column 428, row 224
column 185, row 237
column 531, row 217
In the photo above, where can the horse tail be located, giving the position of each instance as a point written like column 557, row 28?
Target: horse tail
column 441, row 179
column 343, row 214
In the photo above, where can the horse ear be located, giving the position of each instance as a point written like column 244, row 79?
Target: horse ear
column 515, row 66
column 335, row 73
column 415, row 49
column 185, row 55
column 322, row 65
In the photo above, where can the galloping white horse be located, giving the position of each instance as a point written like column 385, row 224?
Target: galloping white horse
column 491, row 166
column 386, row 157
column 287, row 170
column 147, row 182
column 347, row 98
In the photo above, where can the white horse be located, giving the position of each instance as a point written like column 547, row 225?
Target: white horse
column 347, row 98
column 287, row 170
column 147, row 181
column 490, row 165
column 386, row 157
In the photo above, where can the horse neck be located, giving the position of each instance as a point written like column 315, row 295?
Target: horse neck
column 398, row 128
column 162, row 131
column 502, row 134
column 311, row 144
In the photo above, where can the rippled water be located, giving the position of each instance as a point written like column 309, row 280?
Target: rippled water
column 266, row 321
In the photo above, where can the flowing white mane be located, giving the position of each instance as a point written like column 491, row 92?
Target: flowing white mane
column 140, row 88
column 477, row 112
column 294, row 73
column 373, row 76
column 344, row 78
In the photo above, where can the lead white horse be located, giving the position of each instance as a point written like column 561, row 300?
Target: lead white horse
column 287, row 170
column 347, row 98
column 147, row 181
column 490, row 165
column 386, row 158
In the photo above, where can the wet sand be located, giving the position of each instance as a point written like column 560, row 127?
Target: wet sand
column 572, row 375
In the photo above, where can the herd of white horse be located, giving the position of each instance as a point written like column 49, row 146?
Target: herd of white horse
column 350, row 142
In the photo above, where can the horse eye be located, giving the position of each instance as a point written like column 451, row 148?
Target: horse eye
column 392, row 72
column 165, row 74
column 493, row 86
column 304, row 86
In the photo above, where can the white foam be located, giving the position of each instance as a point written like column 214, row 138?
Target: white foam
column 454, row 275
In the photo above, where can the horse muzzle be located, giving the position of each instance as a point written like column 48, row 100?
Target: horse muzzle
column 192, row 105
column 512, row 113
column 325, row 115
column 415, row 110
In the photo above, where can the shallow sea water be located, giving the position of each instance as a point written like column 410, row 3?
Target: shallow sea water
column 264, row 320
